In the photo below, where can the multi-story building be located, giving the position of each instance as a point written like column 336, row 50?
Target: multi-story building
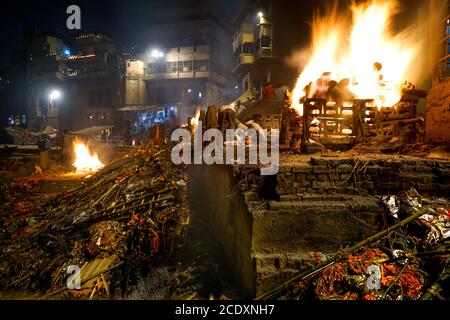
column 133, row 91
column 189, row 55
column 91, row 81
column 45, row 73
column 265, row 33
column 185, row 64
column 72, row 90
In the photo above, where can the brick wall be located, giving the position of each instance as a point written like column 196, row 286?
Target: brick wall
column 326, row 204
column 361, row 176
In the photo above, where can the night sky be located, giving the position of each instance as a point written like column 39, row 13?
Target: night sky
column 125, row 21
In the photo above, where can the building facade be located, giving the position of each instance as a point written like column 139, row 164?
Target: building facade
column 185, row 63
column 84, row 76
column 265, row 33
column 5, row 95
column 91, row 82
column 189, row 57
column 44, row 74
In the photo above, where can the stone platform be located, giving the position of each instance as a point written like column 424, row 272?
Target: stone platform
column 268, row 226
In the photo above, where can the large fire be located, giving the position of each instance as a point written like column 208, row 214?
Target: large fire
column 85, row 161
column 365, row 58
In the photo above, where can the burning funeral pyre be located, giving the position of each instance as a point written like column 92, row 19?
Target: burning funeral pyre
column 364, row 60
column 353, row 88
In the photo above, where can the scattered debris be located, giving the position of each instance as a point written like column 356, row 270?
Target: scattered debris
column 398, row 263
column 128, row 213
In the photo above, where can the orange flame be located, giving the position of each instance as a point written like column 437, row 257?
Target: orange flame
column 352, row 52
column 85, row 161
column 195, row 119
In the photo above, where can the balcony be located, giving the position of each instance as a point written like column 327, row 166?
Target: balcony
column 242, row 60
column 245, row 34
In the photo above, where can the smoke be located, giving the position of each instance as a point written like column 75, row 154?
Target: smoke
column 423, row 19
column 299, row 58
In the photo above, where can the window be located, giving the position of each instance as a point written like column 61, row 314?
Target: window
column 201, row 65
column 265, row 42
column 172, row 66
column 185, row 66
column 247, row 48
column 157, row 67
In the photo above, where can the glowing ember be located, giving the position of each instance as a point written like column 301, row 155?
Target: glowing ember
column 84, row 160
column 366, row 59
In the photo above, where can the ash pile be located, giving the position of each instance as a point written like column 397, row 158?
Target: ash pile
column 96, row 240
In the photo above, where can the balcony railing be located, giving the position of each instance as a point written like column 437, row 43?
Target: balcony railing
column 265, row 52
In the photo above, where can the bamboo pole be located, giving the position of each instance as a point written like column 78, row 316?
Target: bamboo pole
column 277, row 291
